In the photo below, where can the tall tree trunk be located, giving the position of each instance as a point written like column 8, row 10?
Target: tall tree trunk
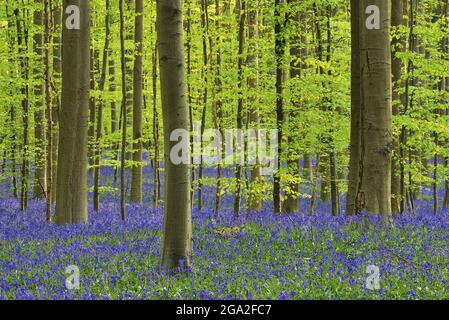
column 241, row 39
column 255, row 202
column 189, row 95
column 129, row 55
column 374, row 194
column 22, row 43
column 398, row 45
column 218, row 112
column 205, row 30
column 445, row 45
column 406, row 190
column 49, row 112
column 136, row 180
column 177, row 232
column 291, row 202
column 314, row 185
column 71, row 193
column 39, row 184
column 156, row 174
column 124, row 114
column 335, row 196
column 92, row 110
column 11, row 91
column 101, row 84
column 279, row 53
column 112, row 88
column 355, row 136
column 115, row 120
column 57, row 70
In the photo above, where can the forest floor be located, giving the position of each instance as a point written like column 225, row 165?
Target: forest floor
column 261, row 256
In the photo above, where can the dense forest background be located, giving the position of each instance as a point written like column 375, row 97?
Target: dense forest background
column 357, row 93
column 231, row 68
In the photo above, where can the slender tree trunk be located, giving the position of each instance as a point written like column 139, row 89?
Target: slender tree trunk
column 355, row 136
column 406, row 190
column 205, row 28
column 398, row 45
column 124, row 114
column 218, row 112
column 189, row 96
column 279, row 52
column 57, row 70
column 101, row 84
column 335, row 196
column 314, row 185
column 446, row 51
column 92, row 110
column 39, row 184
column 307, row 169
column 49, row 112
column 129, row 54
column 22, row 43
column 241, row 38
column 177, row 232
column 156, row 174
column 325, row 195
column 112, row 88
column 255, row 202
column 11, row 91
column 71, row 193
column 115, row 121
column 291, row 202
column 136, row 180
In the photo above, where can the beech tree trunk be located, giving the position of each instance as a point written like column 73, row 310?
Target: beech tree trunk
column 57, row 69
column 39, row 184
column 291, row 202
column 398, row 45
column 49, row 113
column 355, row 136
column 123, row 112
column 279, row 52
column 374, row 195
column 177, row 231
column 136, row 179
column 71, row 193
column 253, row 62
column 241, row 39
column 101, row 84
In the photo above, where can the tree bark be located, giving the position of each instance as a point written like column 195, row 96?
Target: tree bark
column 241, row 39
column 279, row 53
column 156, row 174
column 49, row 113
column 57, row 69
column 124, row 113
column 22, row 43
column 291, row 202
column 374, row 194
column 177, row 232
column 39, row 185
column 101, row 84
column 398, row 45
column 71, row 193
column 255, row 202
column 136, row 180
column 355, row 136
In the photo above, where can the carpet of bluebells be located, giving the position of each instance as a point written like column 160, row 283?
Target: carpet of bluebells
column 266, row 256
